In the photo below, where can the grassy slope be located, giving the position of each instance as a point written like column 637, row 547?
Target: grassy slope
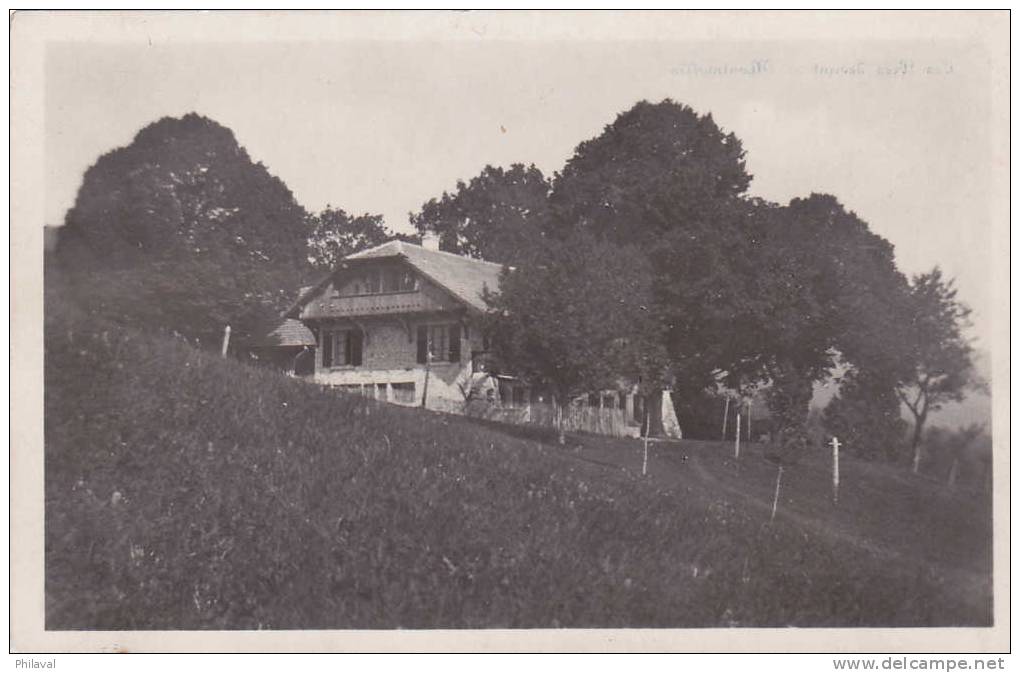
column 185, row 491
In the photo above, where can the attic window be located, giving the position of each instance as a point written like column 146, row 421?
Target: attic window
column 390, row 280
column 397, row 280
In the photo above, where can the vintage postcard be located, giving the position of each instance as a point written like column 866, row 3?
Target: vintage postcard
column 510, row 331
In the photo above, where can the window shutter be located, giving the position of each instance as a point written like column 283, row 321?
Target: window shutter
column 327, row 348
column 454, row 343
column 348, row 344
column 423, row 344
column 356, row 339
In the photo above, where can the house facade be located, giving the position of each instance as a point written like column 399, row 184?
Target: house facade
column 401, row 323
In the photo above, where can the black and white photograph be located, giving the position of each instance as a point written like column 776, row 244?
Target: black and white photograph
column 567, row 325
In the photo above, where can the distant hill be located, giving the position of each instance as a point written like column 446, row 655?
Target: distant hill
column 975, row 408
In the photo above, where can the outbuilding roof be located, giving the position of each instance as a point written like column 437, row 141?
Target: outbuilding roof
column 290, row 332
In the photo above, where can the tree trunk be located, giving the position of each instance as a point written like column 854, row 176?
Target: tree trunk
column 915, row 443
column 425, row 388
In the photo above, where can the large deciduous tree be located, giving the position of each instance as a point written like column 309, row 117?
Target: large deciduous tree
column 940, row 355
column 669, row 181
column 825, row 287
column 574, row 317
column 495, row 216
column 182, row 231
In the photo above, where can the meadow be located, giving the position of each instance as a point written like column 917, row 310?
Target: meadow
column 188, row 491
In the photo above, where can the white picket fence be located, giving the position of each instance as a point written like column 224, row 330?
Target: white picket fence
column 598, row 420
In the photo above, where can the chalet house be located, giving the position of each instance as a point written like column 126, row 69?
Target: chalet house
column 401, row 323
column 397, row 322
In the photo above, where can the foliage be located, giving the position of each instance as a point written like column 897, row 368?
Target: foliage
column 960, row 456
column 939, row 353
column 747, row 291
column 825, row 286
column 788, row 398
column 666, row 180
column 495, row 216
column 574, row 318
column 866, row 416
column 182, row 230
column 334, row 234
column 188, row 491
column 656, row 168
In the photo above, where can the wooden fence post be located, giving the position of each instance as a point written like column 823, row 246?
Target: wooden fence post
column 835, row 471
column 644, row 464
column 736, row 443
column 775, row 498
column 749, row 420
column 725, row 417
column 428, row 366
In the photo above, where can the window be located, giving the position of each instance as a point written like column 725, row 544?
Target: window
column 403, row 393
column 520, row 397
column 442, row 342
column 397, row 280
column 382, row 280
column 342, row 348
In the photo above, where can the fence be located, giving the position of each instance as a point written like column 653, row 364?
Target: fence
column 598, row 420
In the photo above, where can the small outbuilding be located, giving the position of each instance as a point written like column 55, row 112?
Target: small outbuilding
column 289, row 346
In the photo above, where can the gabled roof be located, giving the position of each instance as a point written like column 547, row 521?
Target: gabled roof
column 463, row 277
column 290, row 332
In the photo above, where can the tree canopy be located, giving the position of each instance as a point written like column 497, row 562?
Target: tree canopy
column 181, row 230
column 574, row 318
column 494, row 217
column 333, row 234
column 658, row 167
column 668, row 181
column 940, row 355
column 825, row 290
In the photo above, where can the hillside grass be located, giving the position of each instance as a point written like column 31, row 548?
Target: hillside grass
column 188, row 491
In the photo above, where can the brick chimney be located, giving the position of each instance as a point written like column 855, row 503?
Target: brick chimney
column 430, row 241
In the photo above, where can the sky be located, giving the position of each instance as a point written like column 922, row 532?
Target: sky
column 898, row 130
